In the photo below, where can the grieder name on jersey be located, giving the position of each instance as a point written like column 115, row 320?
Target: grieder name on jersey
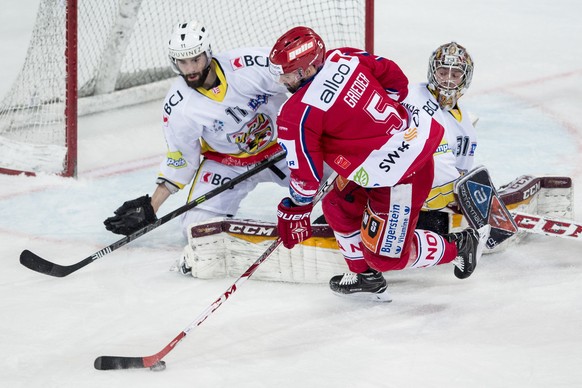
column 358, row 82
column 236, row 118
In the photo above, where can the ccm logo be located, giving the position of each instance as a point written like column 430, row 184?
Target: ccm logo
column 532, row 190
column 291, row 217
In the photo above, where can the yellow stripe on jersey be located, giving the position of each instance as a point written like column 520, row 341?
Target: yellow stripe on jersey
column 457, row 114
column 217, row 93
column 439, row 197
column 177, row 184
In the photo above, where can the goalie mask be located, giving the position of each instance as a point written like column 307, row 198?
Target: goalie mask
column 450, row 70
column 188, row 41
column 295, row 51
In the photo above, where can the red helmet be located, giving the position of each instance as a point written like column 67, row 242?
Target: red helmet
column 298, row 48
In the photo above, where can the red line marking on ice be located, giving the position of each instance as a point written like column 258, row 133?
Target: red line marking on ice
column 97, row 173
column 573, row 128
column 531, row 82
column 116, row 169
column 91, row 244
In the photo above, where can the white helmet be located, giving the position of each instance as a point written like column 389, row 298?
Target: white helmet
column 187, row 41
column 451, row 56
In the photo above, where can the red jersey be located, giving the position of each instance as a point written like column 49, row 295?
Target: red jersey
column 349, row 117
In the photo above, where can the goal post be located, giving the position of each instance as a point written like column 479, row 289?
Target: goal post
column 86, row 57
column 69, row 167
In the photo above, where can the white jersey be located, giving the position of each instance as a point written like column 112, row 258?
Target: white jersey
column 456, row 152
column 234, row 121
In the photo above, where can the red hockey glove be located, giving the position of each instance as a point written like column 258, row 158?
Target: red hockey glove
column 293, row 222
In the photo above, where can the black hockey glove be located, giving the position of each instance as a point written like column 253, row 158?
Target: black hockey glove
column 131, row 216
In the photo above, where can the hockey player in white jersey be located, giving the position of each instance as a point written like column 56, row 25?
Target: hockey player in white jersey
column 218, row 121
column 450, row 72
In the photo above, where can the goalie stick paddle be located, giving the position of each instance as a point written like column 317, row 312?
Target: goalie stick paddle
column 556, row 227
column 154, row 361
column 36, row 263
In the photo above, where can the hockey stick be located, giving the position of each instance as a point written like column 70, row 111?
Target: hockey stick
column 155, row 362
column 556, row 227
column 480, row 204
column 38, row 264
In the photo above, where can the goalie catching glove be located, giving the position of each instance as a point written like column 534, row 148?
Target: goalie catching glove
column 132, row 216
column 293, row 223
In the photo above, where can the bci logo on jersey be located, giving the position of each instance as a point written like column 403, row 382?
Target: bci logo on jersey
column 172, row 101
column 214, row 179
column 249, row 60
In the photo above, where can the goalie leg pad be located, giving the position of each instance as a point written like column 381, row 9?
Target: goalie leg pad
column 556, row 198
column 226, row 247
column 206, row 253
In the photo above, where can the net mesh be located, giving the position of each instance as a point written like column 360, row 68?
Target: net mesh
column 122, row 46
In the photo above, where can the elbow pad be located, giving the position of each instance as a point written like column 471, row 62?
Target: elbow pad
column 169, row 185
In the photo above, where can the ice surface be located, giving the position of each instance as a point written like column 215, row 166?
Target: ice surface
column 515, row 323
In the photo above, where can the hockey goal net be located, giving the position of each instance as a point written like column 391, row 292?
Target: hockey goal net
column 90, row 56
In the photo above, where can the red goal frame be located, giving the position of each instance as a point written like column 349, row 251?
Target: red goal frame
column 71, row 60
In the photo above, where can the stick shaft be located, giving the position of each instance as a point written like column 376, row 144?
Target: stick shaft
column 38, row 264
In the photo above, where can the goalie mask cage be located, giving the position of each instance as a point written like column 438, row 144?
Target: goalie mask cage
column 88, row 56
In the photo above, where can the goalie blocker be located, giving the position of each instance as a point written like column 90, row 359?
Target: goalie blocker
column 225, row 247
column 480, row 204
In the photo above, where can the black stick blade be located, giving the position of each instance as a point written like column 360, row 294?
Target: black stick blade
column 38, row 264
column 118, row 362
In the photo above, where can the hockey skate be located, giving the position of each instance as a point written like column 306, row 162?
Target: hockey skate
column 470, row 244
column 369, row 285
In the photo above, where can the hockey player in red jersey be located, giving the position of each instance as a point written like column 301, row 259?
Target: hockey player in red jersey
column 345, row 112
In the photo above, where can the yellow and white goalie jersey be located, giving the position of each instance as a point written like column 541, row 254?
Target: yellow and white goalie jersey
column 456, row 152
column 233, row 122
